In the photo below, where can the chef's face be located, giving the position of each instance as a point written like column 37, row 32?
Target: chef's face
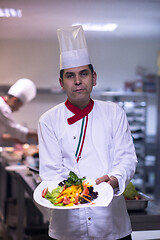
column 15, row 104
column 78, row 83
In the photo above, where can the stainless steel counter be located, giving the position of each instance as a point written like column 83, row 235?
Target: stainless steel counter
column 148, row 219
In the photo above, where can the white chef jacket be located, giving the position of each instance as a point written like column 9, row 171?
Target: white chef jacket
column 8, row 123
column 108, row 149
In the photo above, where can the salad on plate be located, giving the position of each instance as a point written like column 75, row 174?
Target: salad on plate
column 71, row 192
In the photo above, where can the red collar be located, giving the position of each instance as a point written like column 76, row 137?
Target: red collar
column 79, row 113
column 3, row 98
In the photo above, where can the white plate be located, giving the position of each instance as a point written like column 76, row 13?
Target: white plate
column 105, row 195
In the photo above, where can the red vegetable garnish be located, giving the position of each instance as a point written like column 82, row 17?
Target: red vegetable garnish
column 44, row 192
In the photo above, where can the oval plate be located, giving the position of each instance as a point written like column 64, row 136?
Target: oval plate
column 105, row 195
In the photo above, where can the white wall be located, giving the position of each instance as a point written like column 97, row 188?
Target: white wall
column 36, row 60
column 114, row 60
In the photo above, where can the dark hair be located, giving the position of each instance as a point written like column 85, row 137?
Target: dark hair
column 89, row 65
column 10, row 96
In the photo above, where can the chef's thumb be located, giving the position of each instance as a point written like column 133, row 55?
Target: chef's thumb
column 105, row 178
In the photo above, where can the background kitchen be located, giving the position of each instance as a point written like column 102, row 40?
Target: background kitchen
column 126, row 60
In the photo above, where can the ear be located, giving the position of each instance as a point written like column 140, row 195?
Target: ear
column 61, row 82
column 94, row 78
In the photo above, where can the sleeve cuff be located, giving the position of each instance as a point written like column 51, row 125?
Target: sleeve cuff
column 121, row 185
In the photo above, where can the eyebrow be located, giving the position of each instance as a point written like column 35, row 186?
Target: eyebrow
column 68, row 73
column 84, row 70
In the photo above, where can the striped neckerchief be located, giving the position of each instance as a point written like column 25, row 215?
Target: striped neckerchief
column 79, row 114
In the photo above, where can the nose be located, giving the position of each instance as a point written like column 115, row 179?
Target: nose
column 77, row 80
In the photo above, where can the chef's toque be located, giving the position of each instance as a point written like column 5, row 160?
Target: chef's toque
column 73, row 47
column 24, row 89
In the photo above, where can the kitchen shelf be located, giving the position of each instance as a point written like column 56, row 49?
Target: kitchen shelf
column 135, row 105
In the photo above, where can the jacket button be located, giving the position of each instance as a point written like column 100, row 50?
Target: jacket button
column 89, row 218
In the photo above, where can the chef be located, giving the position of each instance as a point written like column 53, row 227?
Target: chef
column 21, row 92
column 92, row 139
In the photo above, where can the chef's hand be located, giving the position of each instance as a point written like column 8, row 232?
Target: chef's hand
column 110, row 180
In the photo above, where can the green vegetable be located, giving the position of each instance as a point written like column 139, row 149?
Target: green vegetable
column 73, row 179
column 52, row 196
column 130, row 191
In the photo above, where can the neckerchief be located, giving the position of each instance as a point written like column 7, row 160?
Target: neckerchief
column 3, row 98
column 78, row 113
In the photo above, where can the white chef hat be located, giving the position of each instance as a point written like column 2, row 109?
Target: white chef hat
column 73, row 47
column 24, row 89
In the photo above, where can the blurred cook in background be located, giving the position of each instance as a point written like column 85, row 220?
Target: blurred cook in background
column 20, row 93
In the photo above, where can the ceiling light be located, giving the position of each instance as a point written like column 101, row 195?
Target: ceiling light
column 98, row 27
column 10, row 12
